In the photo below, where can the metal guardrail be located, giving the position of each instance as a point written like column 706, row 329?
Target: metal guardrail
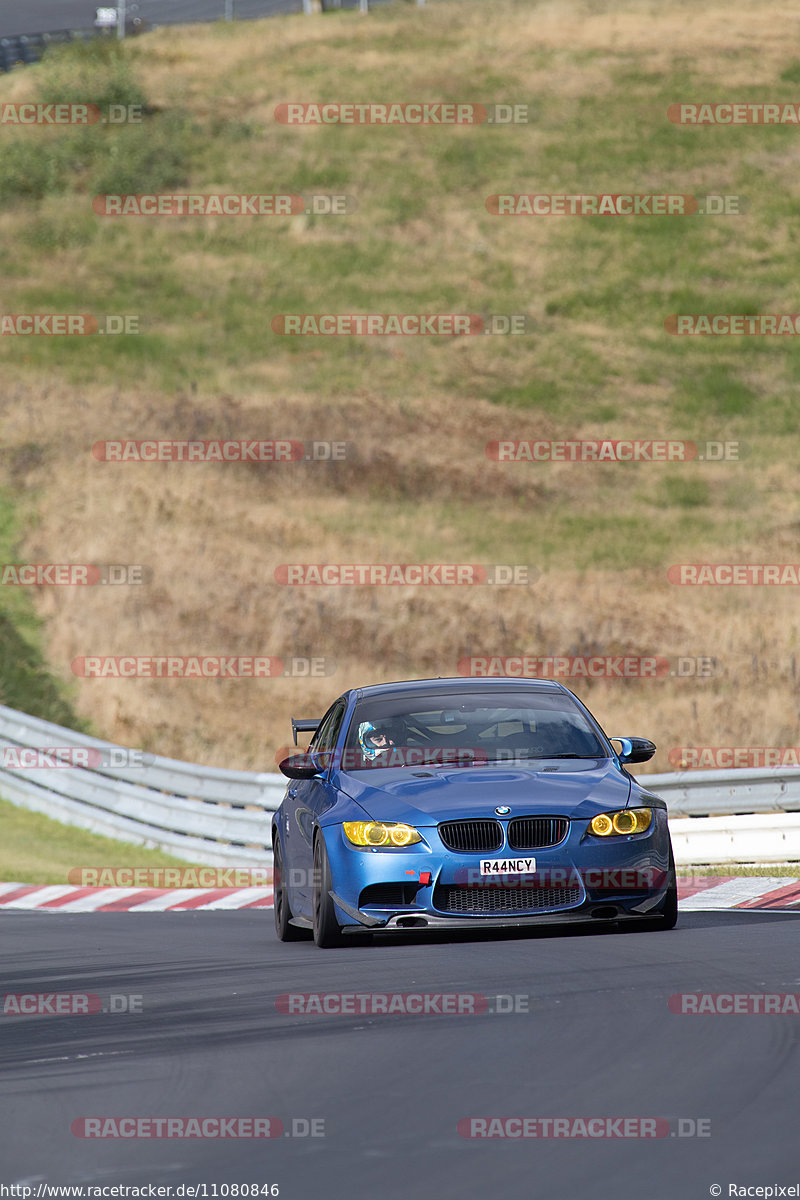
column 738, row 816
column 220, row 817
column 206, row 815
column 725, row 793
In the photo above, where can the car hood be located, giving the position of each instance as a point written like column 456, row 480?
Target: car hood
column 424, row 796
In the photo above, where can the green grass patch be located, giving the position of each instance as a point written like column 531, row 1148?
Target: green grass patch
column 680, row 492
column 99, row 71
column 716, row 390
column 35, row 849
column 540, row 530
column 130, row 149
column 31, row 171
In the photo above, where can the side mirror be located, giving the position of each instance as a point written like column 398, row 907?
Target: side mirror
column 635, row 749
column 302, row 766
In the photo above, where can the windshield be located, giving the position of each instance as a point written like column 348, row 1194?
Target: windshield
column 468, row 728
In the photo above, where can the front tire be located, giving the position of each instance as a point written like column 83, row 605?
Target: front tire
column 280, row 900
column 327, row 931
column 668, row 916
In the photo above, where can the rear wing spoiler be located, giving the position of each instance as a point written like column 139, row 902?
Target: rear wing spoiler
column 304, row 725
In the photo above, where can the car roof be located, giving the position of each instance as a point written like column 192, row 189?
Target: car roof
column 459, row 684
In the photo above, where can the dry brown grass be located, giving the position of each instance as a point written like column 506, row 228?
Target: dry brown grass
column 212, row 535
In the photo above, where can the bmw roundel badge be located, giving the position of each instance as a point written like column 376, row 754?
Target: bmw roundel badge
column 503, row 810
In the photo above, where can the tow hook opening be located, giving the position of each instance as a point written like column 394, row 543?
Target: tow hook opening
column 411, row 922
column 607, row 912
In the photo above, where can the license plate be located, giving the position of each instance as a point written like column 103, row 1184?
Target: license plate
column 508, row 866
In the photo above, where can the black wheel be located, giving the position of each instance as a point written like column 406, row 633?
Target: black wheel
column 280, row 901
column 327, row 931
column 668, row 915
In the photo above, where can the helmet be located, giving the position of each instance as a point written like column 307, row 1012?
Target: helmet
column 366, row 732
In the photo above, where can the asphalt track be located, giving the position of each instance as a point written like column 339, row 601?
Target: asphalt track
column 598, row 1041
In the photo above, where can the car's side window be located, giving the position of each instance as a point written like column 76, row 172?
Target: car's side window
column 328, row 730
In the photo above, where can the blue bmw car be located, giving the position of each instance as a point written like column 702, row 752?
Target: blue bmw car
column 465, row 803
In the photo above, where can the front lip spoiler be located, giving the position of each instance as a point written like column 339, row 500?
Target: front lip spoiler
column 363, row 918
column 414, row 922
column 581, row 913
column 420, row 922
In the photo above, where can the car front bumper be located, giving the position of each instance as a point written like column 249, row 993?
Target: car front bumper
column 577, row 881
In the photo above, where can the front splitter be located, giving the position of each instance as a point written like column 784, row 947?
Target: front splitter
column 418, row 922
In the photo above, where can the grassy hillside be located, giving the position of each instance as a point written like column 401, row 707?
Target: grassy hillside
column 417, row 413
column 26, row 680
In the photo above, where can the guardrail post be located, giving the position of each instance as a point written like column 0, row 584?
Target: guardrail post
column 121, row 19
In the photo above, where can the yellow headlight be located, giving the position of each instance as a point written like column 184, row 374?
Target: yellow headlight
column 626, row 821
column 379, row 833
column 644, row 817
column 601, row 825
column 403, row 835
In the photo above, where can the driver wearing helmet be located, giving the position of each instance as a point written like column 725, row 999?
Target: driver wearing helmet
column 373, row 740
